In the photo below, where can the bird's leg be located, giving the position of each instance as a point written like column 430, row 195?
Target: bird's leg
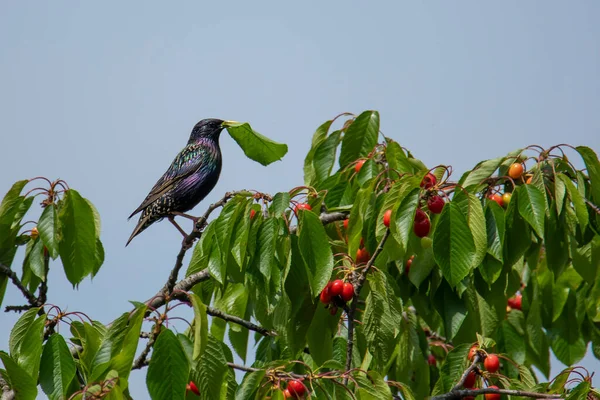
column 194, row 219
column 172, row 219
column 179, row 214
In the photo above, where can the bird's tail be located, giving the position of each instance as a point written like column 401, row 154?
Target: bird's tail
column 144, row 222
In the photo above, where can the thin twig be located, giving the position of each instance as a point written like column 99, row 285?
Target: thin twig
column 141, row 360
column 43, row 293
column 15, row 280
column 357, row 288
column 237, row 320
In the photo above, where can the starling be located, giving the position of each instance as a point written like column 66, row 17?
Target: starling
column 191, row 176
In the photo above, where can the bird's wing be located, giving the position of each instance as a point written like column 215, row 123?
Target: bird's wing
column 187, row 162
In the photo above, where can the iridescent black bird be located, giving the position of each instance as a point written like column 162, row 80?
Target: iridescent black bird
column 191, row 176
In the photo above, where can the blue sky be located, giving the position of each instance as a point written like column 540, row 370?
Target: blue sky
column 104, row 94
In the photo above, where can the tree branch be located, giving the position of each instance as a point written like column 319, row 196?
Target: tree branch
column 326, row 218
column 357, row 288
column 459, row 394
column 33, row 301
column 237, row 320
column 463, row 378
column 184, row 285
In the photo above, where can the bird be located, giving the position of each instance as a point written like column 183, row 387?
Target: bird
column 192, row 175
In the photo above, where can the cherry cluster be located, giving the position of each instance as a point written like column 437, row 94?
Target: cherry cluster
column 491, row 363
column 435, row 205
column 336, row 293
column 515, row 172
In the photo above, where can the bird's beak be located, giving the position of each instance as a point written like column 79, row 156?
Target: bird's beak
column 227, row 124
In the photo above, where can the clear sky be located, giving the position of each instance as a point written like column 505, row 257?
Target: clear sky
column 104, row 95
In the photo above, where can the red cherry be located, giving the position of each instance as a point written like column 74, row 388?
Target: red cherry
column 359, row 165
column 302, row 206
column 192, row 388
column 492, row 363
column 296, row 388
column 472, row 353
column 408, row 264
column 362, row 255
column 387, row 216
column 336, row 287
column 470, row 381
column 326, row 296
column 435, row 204
column 346, row 223
column 498, row 199
column 422, row 228
column 517, row 302
column 428, row 181
column 252, row 214
column 431, row 359
column 420, row 215
column 492, row 396
column 511, row 302
column 347, row 292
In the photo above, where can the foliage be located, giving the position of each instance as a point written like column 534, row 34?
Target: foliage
column 419, row 303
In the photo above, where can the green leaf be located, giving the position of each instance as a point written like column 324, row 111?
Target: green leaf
column 593, row 169
column 256, row 146
column 320, row 335
column 315, row 250
column 318, row 138
column 249, row 385
column 360, row 138
column 267, row 239
column 382, row 317
column 397, row 159
column 325, row 157
column 477, row 223
column 10, row 217
column 280, row 203
column 212, row 368
column 453, row 245
column 200, row 326
column 404, row 217
column 453, row 367
column 566, row 339
column 482, row 171
column 169, row 368
column 77, row 244
column 579, row 392
column 25, row 342
column 23, row 384
column 57, row 368
column 451, row 308
column 512, row 342
column 122, row 361
column 372, row 386
column 34, row 259
column 532, row 207
column 577, row 200
column 494, row 216
column 481, row 312
column 48, row 228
